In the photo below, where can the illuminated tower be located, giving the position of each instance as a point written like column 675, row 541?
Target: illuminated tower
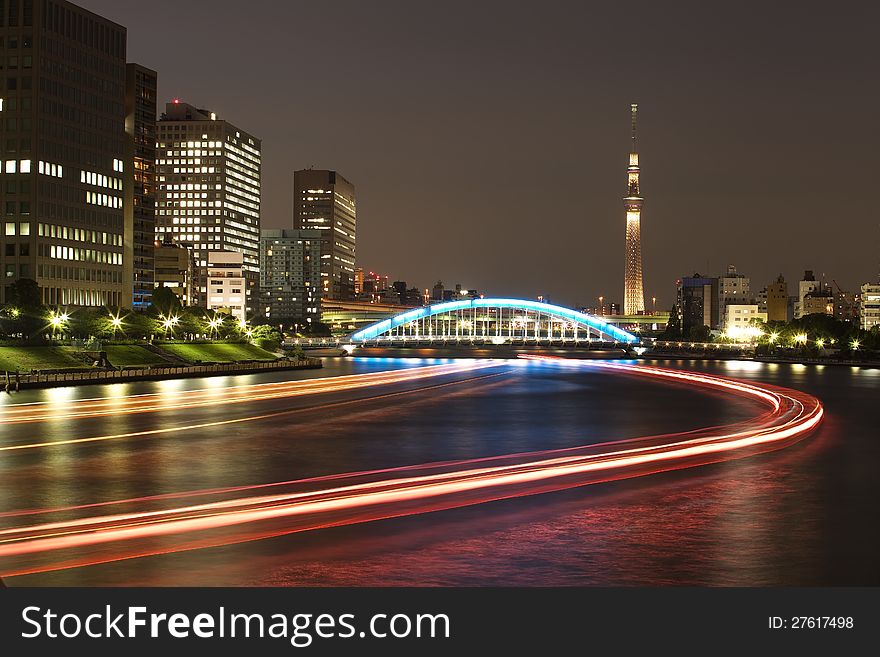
column 633, row 291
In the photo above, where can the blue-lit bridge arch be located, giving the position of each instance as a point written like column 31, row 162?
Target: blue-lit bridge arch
column 495, row 321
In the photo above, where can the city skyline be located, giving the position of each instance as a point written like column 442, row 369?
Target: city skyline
column 750, row 156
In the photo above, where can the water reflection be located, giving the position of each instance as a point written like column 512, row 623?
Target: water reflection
column 798, row 517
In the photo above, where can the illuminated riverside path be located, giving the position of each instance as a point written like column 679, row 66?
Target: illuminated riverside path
column 436, row 436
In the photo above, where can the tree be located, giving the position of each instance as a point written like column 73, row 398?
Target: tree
column 266, row 337
column 192, row 322
column 138, row 326
column 24, row 294
column 165, row 301
column 673, row 326
column 86, row 322
column 700, row 334
column 24, row 314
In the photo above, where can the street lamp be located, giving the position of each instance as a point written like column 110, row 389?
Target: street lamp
column 801, row 338
column 168, row 323
column 855, row 345
column 57, row 321
column 773, row 338
column 116, row 323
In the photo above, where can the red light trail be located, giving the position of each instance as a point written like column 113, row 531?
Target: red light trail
column 287, row 507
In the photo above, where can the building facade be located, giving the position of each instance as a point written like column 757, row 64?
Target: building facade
column 139, row 206
column 290, row 277
column 633, row 285
column 739, row 318
column 846, row 306
column 63, row 137
column 733, row 289
column 173, row 268
column 226, row 284
column 869, row 306
column 818, row 302
column 324, row 200
column 208, row 192
column 806, row 285
column 777, row 301
column 696, row 299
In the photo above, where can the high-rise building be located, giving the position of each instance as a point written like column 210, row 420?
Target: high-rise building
column 869, row 306
column 290, row 276
column 209, row 192
column 324, row 200
column 140, row 183
column 633, row 289
column 63, row 108
column 697, row 297
column 173, row 268
column 806, row 285
column 777, row 301
column 733, row 288
column 226, row 283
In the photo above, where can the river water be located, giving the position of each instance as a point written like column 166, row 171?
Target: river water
column 801, row 516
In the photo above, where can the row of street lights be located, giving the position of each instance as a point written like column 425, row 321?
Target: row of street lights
column 802, row 339
column 58, row 321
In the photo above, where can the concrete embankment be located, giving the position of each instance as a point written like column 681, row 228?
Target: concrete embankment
column 16, row 381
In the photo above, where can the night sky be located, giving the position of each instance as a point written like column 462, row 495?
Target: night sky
column 488, row 141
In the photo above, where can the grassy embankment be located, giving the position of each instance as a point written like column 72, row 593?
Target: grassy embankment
column 217, row 352
column 25, row 359
column 132, row 355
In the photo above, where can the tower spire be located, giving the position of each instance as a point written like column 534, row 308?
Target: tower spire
column 634, row 110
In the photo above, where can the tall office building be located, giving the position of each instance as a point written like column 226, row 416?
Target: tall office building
column 324, row 200
column 63, row 138
column 208, row 195
column 140, row 183
column 290, row 276
column 697, row 299
column 633, row 289
column 777, row 301
column 733, row 289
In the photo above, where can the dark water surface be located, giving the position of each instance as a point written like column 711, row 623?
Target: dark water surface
column 802, row 516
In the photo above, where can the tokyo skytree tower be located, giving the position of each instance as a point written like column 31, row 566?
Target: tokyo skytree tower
column 633, row 289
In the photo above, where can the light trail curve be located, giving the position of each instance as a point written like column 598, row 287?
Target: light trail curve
column 77, row 409
column 367, row 496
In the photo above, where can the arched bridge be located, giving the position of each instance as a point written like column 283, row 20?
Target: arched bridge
column 493, row 321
